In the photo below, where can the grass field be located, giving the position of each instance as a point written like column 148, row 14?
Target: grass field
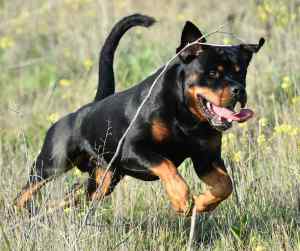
column 48, row 68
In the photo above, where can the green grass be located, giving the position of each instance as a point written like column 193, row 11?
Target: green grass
column 42, row 43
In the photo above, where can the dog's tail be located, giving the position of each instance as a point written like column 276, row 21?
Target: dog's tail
column 106, row 80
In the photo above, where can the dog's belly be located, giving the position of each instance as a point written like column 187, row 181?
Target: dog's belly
column 144, row 175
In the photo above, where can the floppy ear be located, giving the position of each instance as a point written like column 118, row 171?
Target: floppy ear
column 190, row 33
column 249, row 49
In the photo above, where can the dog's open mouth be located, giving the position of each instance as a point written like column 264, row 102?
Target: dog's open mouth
column 221, row 118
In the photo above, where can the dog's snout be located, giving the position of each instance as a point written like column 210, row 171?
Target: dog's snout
column 237, row 91
column 239, row 94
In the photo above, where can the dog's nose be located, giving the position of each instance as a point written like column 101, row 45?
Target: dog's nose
column 239, row 94
column 237, row 91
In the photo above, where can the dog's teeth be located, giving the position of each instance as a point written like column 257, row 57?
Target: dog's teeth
column 238, row 107
column 208, row 105
column 229, row 120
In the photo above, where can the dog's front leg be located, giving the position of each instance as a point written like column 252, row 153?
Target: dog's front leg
column 175, row 186
column 218, row 182
column 142, row 161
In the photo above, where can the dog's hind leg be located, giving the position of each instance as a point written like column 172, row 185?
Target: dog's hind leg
column 51, row 162
column 72, row 198
column 39, row 176
column 102, row 182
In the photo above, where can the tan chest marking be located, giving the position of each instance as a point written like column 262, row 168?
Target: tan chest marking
column 160, row 131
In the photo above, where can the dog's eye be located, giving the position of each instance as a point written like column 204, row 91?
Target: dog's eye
column 213, row 74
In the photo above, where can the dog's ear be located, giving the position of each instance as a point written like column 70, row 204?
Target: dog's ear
column 253, row 48
column 190, row 33
column 249, row 49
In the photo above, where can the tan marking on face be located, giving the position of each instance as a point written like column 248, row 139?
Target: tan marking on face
column 221, row 97
column 220, row 68
column 237, row 68
column 160, row 131
column 193, row 77
column 219, row 187
column 225, row 96
column 175, row 185
column 193, row 103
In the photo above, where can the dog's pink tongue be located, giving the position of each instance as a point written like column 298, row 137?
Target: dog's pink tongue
column 241, row 116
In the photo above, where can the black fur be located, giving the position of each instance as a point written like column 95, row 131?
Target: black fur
column 106, row 80
column 93, row 132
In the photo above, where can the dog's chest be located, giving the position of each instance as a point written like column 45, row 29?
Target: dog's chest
column 171, row 137
column 160, row 131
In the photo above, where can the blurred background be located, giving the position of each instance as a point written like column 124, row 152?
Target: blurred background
column 48, row 68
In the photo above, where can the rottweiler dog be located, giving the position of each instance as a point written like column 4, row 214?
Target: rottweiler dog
column 184, row 117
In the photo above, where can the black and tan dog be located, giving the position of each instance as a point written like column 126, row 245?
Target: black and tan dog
column 184, row 117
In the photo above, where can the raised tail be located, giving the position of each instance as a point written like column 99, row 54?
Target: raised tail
column 106, row 80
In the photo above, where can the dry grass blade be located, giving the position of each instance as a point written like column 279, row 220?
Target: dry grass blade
column 192, row 229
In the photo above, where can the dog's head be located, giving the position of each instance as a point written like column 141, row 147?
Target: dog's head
column 214, row 78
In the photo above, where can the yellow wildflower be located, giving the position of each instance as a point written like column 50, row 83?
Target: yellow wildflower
column 230, row 136
column 263, row 122
column 53, row 117
column 67, row 210
column 227, row 140
column 77, row 173
column 261, row 139
column 65, row 82
column 262, row 14
column 6, row 42
column 286, row 83
column 287, row 129
column 267, row 7
column 286, row 79
column 260, row 248
column 243, row 125
column 283, row 128
column 237, row 157
column 296, row 100
column 80, row 192
column 294, row 132
column 88, row 63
